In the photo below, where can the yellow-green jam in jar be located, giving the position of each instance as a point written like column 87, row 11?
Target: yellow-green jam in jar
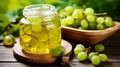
column 40, row 29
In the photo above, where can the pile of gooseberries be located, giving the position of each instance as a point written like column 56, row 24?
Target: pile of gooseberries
column 94, row 56
column 84, row 19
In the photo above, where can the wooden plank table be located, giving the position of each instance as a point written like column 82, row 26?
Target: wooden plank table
column 112, row 45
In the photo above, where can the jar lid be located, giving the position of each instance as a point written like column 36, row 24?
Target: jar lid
column 39, row 10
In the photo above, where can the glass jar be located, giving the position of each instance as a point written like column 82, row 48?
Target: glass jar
column 40, row 29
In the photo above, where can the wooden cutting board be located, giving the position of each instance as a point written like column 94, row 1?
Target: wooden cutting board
column 21, row 55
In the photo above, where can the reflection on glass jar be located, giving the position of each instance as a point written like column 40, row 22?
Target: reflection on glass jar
column 40, row 29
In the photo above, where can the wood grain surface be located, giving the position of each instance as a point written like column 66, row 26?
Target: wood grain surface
column 112, row 50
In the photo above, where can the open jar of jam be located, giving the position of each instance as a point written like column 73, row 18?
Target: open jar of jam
column 40, row 29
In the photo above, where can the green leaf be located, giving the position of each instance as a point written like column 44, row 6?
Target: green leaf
column 55, row 52
column 4, row 22
column 37, row 1
column 2, row 36
column 24, row 3
column 14, row 29
column 51, row 1
column 61, row 4
column 19, row 14
column 4, row 6
column 15, row 15
column 12, row 14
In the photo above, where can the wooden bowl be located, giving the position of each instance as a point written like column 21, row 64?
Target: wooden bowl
column 89, row 37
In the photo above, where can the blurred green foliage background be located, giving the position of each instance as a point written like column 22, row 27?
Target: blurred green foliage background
column 11, row 10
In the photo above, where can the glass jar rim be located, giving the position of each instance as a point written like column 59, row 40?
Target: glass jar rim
column 39, row 10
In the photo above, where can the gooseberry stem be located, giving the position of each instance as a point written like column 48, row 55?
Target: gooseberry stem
column 103, row 14
column 87, row 49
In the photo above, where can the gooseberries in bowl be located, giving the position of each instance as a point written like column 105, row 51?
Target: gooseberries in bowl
column 86, row 26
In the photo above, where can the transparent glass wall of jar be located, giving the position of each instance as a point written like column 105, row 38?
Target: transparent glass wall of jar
column 40, row 29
